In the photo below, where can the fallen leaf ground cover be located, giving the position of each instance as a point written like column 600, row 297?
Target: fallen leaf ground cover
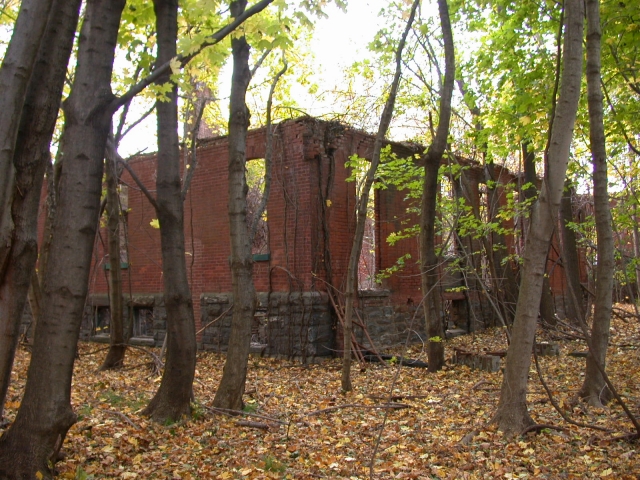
column 299, row 426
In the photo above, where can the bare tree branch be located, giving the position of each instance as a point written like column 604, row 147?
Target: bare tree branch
column 267, row 156
column 213, row 39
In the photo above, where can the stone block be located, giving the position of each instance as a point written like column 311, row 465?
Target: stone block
column 477, row 361
column 547, row 349
column 142, row 341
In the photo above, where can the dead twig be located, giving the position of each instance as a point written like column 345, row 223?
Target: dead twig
column 214, row 320
column 124, row 417
column 158, row 363
column 235, row 413
column 356, row 347
column 542, row 426
column 92, row 352
column 562, row 413
column 628, row 437
column 250, row 424
column 394, row 398
column 392, row 406
column 479, row 384
column 622, row 314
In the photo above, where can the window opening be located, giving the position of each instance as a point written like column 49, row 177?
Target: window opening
column 367, row 266
column 367, row 263
column 102, row 321
column 142, row 322
column 255, row 194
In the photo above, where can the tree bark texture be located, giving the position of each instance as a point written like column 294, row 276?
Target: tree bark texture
column 117, row 347
column 15, row 74
column 434, row 155
column 594, row 389
column 547, row 306
column 52, row 176
column 636, row 250
column 31, row 156
column 512, row 414
column 45, row 413
column 430, row 271
column 362, row 203
column 575, row 307
column 234, row 374
column 172, row 401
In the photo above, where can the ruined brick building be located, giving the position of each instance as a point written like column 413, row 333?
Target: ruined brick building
column 309, row 224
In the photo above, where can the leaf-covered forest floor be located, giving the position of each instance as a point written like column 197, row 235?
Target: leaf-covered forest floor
column 316, row 432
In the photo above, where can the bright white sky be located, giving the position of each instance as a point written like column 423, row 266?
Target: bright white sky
column 339, row 40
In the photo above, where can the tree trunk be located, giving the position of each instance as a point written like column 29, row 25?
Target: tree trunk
column 45, row 413
column 231, row 388
column 636, row 252
column 172, row 401
column 433, row 158
column 117, row 347
column 594, row 389
column 430, row 274
column 15, row 73
column 34, row 298
column 505, row 279
column 512, row 414
column 575, row 307
column 547, row 307
column 362, row 203
column 35, row 289
column 31, row 156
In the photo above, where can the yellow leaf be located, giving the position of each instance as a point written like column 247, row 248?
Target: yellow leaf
column 155, row 223
column 174, row 63
column 328, row 203
column 525, row 120
column 39, row 475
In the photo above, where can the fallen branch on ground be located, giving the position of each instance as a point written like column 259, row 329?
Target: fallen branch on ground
column 393, row 406
column 124, row 417
column 247, row 423
column 555, row 404
column 542, row 426
column 235, row 413
column 394, row 398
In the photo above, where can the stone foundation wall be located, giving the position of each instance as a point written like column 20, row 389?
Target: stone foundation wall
column 299, row 325
column 290, row 325
column 387, row 325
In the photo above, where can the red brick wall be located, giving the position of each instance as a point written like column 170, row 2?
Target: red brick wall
column 305, row 153
column 304, row 208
